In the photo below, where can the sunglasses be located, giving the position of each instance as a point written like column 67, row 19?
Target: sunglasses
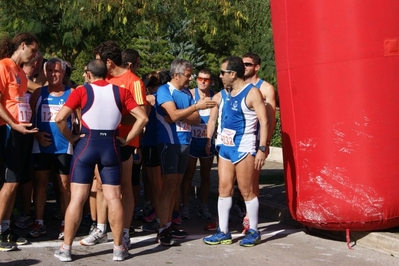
column 222, row 72
column 248, row 64
column 206, row 80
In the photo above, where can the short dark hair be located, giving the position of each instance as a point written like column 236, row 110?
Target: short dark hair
column 164, row 77
column 255, row 58
column 109, row 50
column 97, row 68
column 129, row 56
column 236, row 64
column 205, row 71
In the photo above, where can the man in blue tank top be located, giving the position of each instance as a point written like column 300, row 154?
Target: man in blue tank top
column 240, row 153
column 50, row 147
column 176, row 112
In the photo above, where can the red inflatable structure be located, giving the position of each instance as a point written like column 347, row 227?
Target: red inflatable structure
column 338, row 82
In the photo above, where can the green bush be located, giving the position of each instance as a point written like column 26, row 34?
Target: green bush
column 276, row 140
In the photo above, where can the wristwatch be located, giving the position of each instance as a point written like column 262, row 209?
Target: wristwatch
column 262, row 148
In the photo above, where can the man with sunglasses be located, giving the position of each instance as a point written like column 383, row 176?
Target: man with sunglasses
column 252, row 66
column 197, row 149
column 240, row 154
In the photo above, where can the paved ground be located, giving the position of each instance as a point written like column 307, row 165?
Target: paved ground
column 279, row 232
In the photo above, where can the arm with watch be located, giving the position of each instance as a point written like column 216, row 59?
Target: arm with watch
column 256, row 102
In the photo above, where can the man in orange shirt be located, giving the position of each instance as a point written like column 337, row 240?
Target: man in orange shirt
column 110, row 53
column 15, row 115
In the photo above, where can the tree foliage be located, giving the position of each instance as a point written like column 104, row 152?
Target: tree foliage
column 203, row 32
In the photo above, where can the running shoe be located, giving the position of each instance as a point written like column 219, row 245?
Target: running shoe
column 176, row 218
column 38, row 230
column 218, row 238
column 120, row 254
column 63, row 254
column 151, row 227
column 23, row 221
column 165, row 239
column 251, row 239
column 151, row 215
column 245, row 225
column 185, row 212
column 61, row 234
column 13, row 238
column 92, row 227
column 7, row 246
column 131, row 230
column 176, row 233
column 137, row 213
column 126, row 241
column 96, row 237
column 212, row 225
column 204, row 213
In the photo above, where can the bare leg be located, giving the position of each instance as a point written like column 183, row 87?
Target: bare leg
column 115, row 211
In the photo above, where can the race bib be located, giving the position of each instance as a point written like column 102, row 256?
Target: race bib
column 24, row 112
column 227, row 137
column 198, row 131
column 206, row 112
column 49, row 112
column 182, row 126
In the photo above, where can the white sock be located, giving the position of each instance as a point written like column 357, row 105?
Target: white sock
column 102, row 227
column 5, row 224
column 41, row 222
column 252, row 211
column 224, row 206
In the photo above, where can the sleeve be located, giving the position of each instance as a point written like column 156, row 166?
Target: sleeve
column 138, row 91
column 163, row 95
column 77, row 98
column 127, row 100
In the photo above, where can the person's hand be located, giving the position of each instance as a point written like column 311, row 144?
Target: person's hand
column 260, row 158
column 122, row 141
column 205, row 104
column 23, row 128
column 43, row 138
column 75, row 138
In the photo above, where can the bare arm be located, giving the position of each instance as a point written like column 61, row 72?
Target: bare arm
column 32, row 86
column 61, row 120
column 210, row 127
column 255, row 101
column 129, row 119
column 269, row 96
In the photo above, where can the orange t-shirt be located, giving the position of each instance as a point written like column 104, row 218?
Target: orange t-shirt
column 135, row 85
column 13, row 88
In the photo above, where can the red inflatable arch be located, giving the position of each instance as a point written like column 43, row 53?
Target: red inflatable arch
column 338, row 83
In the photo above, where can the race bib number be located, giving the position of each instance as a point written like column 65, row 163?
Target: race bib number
column 49, row 112
column 198, row 131
column 182, row 127
column 24, row 112
column 227, row 137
